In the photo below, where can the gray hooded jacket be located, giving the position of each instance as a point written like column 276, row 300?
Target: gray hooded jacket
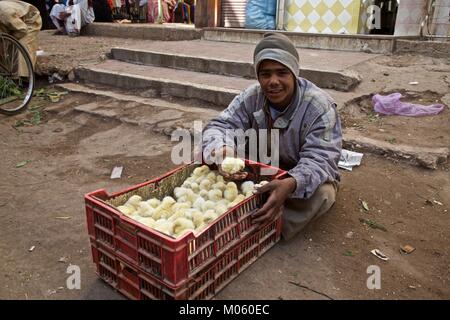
column 309, row 130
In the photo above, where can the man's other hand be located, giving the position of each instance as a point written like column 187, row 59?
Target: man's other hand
column 279, row 192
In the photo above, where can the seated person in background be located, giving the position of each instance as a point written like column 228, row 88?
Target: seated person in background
column 71, row 16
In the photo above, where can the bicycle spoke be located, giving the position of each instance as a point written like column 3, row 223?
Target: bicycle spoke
column 16, row 75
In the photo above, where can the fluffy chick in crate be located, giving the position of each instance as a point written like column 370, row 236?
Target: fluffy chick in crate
column 202, row 198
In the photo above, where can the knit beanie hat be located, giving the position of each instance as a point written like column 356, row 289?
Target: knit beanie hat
column 277, row 47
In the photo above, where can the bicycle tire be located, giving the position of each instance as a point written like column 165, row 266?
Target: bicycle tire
column 30, row 71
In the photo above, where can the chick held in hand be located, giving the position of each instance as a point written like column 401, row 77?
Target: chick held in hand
column 232, row 165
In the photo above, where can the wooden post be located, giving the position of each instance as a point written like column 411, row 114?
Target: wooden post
column 207, row 13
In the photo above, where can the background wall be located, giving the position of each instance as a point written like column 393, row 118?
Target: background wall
column 322, row 16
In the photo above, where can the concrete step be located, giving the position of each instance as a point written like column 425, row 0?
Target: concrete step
column 159, row 115
column 344, row 42
column 147, row 31
column 211, row 88
column 329, row 79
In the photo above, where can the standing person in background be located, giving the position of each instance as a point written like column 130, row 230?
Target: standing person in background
column 102, row 11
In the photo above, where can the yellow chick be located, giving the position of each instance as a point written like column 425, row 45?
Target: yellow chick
column 205, row 184
column 127, row 210
column 209, row 216
column 197, row 216
column 199, row 203
column 205, row 169
column 230, row 193
column 149, row 222
column 221, row 209
column 198, row 180
column 211, row 176
column 239, row 198
column 167, row 202
column 247, row 187
column 203, row 194
column 164, row 226
column 181, row 224
column 160, row 212
column 232, row 185
column 197, row 172
column 220, row 178
column 208, row 205
column 184, row 200
column 179, row 192
column 179, row 206
column 187, row 184
column 183, row 232
column 195, row 187
column 215, row 195
column 153, row 202
column 219, row 186
column 191, row 196
column 223, row 202
column 134, row 201
column 177, row 214
column 145, row 210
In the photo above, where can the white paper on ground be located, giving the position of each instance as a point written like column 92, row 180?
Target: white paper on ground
column 349, row 159
column 116, row 173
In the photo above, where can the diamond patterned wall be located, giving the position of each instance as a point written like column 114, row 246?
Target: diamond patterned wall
column 322, row 16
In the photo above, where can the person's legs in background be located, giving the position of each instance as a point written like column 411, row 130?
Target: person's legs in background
column 55, row 16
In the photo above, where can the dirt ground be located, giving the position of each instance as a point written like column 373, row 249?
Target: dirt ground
column 69, row 153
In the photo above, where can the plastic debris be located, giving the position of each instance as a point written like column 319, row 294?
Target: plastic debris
column 391, row 105
column 407, row 249
column 32, row 248
column 349, row 159
column 365, row 205
column 414, row 83
column 22, row 163
column 379, row 254
column 373, row 224
column 349, row 235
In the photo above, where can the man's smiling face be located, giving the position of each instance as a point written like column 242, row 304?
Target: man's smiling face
column 277, row 83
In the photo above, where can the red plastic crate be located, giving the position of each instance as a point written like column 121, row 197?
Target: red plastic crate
column 173, row 261
column 136, row 284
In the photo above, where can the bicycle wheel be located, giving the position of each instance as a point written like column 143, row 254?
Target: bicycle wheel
column 16, row 76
